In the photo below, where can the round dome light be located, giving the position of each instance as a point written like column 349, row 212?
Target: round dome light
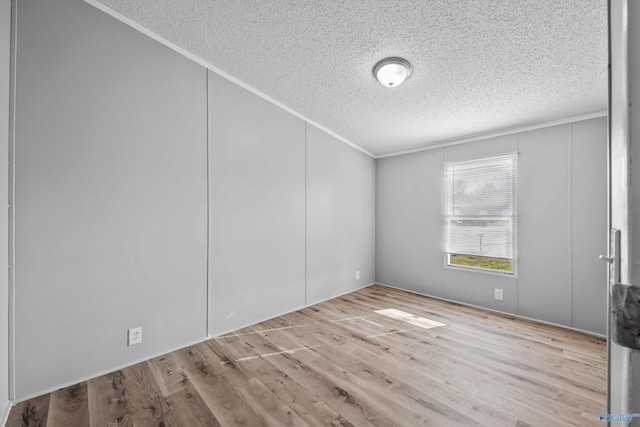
column 391, row 72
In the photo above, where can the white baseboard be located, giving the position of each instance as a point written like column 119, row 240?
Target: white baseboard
column 497, row 311
column 107, row 371
column 5, row 414
column 117, row 368
column 225, row 332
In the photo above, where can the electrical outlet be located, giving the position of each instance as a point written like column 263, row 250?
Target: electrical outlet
column 498, row 294
column 358, row 275
column 135, row 335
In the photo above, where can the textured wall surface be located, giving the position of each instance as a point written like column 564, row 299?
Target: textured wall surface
column 478, row 66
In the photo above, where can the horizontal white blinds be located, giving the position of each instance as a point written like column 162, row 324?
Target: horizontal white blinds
column 480, row 206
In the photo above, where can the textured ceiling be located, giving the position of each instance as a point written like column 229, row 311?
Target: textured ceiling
column 478, row 65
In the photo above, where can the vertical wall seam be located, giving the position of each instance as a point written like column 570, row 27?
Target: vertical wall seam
column 570, row 215
column 11, row 207
column 570, row 219
column 208, row 279
column 517, row 260
column 443, row 220
column 306, row 213
column 374, row 228
column 362, row 249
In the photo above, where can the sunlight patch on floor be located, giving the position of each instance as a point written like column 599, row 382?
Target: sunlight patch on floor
column 409, row 318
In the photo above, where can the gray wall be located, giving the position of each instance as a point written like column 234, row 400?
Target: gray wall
column 589, row 239
column 137, row 171
column 287, row 225
column 369, row 221
column 257, row 193
column 112, row 208
column 336, row 223
column 409, row 219
column 562, row 226
column 544, row 267
column 5, row 54
column 110, row 198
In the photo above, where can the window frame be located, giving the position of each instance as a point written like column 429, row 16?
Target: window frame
column 514, row 216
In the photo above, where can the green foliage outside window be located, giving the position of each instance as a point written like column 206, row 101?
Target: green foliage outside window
column 499, row 264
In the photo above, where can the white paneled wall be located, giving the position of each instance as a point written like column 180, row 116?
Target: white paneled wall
column 5, row 84
column 544, row 227
column 335, row 221
column 110, row 196
column 588, row 184
column 151, row 192
column 369, row 220
column 257, row 216
column 287, row 211
column 562, row 218
column 409, row 222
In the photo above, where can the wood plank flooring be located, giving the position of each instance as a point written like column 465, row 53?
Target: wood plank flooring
column 343, row 363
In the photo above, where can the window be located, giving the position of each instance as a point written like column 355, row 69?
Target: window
column 480, row 213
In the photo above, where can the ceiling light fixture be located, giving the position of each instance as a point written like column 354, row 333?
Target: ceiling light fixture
column 391, row 72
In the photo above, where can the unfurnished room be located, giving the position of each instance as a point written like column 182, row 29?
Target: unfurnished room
column 306, row 213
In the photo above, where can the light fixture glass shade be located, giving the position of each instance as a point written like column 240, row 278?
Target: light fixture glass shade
column 391, row 72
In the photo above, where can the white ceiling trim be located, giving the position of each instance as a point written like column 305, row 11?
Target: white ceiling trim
column 216, row 70
column 494, row 134
column 479, row 66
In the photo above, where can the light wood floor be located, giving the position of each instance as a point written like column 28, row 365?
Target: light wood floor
column 342, row 363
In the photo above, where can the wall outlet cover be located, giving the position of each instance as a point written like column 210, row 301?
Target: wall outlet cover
column 498, row 294
column 134, row 335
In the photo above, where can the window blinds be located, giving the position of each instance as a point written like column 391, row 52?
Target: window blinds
column 480, row 206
